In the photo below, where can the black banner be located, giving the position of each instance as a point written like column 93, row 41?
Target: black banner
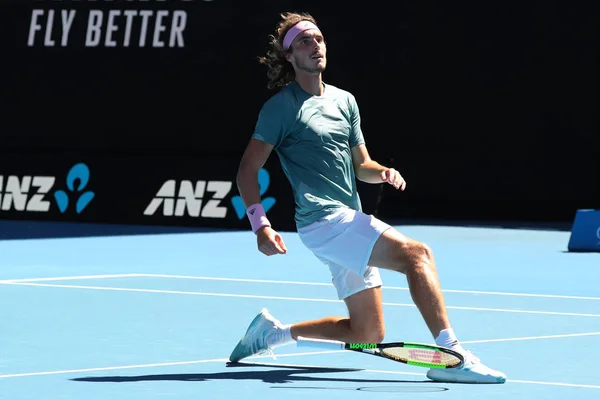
column 150, row 75
column 488, row 108
column 145, row 191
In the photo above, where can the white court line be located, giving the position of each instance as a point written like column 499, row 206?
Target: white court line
column 533, row 338
column 209, row 278
column 385, row 287
column 82, row 277
column 69, row 278
column 378, row 371
column 555, row 384
column 249, row 296
column 72, row 371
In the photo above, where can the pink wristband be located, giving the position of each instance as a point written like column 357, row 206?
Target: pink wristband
column 257, row 216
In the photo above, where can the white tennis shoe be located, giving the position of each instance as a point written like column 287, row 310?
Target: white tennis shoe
column 255, row 339
column 473, row 371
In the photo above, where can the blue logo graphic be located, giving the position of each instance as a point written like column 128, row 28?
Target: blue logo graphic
column 264, row 180
column 81, row 173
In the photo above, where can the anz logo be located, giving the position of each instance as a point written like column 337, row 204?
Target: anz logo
column 202, row 198
column 32, row 193
column 264, row 180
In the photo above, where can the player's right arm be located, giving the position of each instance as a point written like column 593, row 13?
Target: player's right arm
column 255, row 156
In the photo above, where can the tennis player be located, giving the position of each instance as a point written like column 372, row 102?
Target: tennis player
column 314, row 127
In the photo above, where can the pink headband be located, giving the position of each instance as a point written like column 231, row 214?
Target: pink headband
column 295, row 30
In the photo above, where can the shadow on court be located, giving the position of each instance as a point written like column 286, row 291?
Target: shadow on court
column 285, row 374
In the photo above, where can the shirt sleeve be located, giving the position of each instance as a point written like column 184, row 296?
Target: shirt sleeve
column 271, row 126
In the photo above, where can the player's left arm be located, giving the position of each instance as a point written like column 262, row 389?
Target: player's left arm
column 370, row 171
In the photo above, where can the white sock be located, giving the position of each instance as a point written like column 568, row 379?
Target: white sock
column 448, row 339
column 280, row 337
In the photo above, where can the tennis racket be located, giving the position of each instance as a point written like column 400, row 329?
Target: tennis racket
column 417, row 354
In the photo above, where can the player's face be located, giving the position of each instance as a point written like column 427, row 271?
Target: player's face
column 309, row 52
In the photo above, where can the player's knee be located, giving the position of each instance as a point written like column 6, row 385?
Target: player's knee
column 424, row 253
column 377, row 335
column 419, row 255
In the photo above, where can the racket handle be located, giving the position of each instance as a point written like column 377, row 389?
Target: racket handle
column 320, row 343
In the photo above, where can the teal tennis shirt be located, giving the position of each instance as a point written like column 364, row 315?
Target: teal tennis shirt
column 313, row 135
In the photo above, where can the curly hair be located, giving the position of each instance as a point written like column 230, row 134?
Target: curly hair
column 280, row 71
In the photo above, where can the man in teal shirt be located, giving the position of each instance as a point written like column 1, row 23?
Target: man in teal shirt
column 313, row 136
column 315, row 130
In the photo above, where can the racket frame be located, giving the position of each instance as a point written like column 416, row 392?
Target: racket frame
column 375, row 349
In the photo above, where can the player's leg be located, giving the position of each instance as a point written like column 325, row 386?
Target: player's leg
column 365, row 309
column 395, row 251
column 343, row 241
column 365, row 321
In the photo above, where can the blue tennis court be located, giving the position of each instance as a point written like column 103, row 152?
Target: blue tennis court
column 148, row 314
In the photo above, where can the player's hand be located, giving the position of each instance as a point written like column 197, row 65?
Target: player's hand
column 394, row 178
column 270, row 242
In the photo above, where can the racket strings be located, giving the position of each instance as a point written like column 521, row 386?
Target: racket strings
column 426, row 356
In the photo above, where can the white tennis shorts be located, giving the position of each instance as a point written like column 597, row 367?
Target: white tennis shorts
column 343, row 241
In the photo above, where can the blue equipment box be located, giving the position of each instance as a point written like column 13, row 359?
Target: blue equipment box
column 585, row 233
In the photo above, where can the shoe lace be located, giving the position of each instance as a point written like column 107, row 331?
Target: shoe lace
column 267, row 352
column 470, row 357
